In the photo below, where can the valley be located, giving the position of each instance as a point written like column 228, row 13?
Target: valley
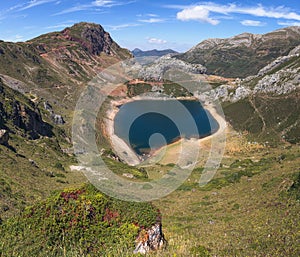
column 250, row 207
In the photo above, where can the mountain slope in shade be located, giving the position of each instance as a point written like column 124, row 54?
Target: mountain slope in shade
column 140, row 53
column 244, row 54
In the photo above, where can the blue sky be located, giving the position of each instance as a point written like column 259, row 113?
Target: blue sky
column 148, row 24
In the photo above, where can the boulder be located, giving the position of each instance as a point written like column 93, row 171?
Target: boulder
column 4, row 137
column 58, row 119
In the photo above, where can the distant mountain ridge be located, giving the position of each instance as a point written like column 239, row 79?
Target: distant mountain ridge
column 244, row 54
column 140, row 53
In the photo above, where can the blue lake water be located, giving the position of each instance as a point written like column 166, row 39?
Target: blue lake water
column 147, row 125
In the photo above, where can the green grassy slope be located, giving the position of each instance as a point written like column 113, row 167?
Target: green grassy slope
column 33, row 163
column 268, row 117
column 250, row 208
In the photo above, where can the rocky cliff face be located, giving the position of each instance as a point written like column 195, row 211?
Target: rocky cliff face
column 21, row 115
column 90, row 37
column 29, row 150
column 244, row 54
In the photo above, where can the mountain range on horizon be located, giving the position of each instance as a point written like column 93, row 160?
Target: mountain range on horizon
column 254, row 77
column 244, row 54
column 154, row 52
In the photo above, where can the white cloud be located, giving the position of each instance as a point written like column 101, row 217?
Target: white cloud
column 122, row 26
column 158, row 41
column 147, row 15
column 152, row 15
column 288, row 23
column 92, row 5
column 197, row 13
column 60, row 26
column 23, row 6
column 260, row 11
column 252, row 23
column 74, row 9
column 152, row 20
column 202, row 12
column 103, row 3
column 16, row 38
column 34, row 3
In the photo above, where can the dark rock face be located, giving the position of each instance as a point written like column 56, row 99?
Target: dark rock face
column 99, row 40
column 17, row 113
column 150, row 240
column 29, row 120
column 48, row 106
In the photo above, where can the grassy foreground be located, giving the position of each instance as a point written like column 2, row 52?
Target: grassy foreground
column 250, row 208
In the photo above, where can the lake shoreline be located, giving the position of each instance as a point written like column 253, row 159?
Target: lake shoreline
column 125, row 152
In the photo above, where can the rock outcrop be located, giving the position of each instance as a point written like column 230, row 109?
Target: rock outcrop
column 266, row 106
column 56, row 118
column 150, row 240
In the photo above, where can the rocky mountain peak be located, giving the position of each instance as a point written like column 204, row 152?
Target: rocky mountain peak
column 92, row 37
column 89, row 37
